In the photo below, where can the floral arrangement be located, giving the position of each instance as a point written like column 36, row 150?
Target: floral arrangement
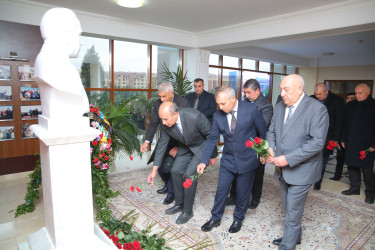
column 331, row 145
column 362, row 154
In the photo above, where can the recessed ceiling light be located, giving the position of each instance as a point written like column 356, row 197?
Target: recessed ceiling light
column 130, row 3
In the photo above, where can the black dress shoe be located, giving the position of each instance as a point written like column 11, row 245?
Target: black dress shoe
column 317, row 186
column 235, row 227
column 168, row 200
column 350, row 192
column 209, row 225
column 334, row 179
column 254, row 204
column 277, row 242
column 231, row 200
column 369, row 200
column 162, row 190
column 174, row 210
column 184, row 217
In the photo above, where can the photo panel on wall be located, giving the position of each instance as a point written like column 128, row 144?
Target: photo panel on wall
column 6, row 113
column 29, row 93
column 6, row 133
column 26, row 131
column 30, row 112
column 25, row 73
column 5, row 93
column 5, row 72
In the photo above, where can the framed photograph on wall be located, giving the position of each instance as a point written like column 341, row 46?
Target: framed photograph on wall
column 5, row 93
column 4, row 72
column 6, row 133
column 6, row 113
column 29, row 93
column 31, row 112
column 26, row 131
column 25, row 72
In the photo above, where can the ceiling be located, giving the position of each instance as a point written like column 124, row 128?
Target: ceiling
column 200, row 16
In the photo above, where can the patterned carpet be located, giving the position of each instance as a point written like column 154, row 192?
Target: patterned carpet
column 330, row 221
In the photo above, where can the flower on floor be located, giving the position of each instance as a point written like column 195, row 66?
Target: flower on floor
column 139, row 189
column 331, row 145
column 131, row 157
column 362, row 154
column 189, row 181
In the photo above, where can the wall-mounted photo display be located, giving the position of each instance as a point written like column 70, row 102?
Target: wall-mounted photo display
column 4, row 72
column 5, row 93
column 30, row 112
column 29, row 93
column 26, row 131
column 6, row 133
column 25, row 72
column 6, row 113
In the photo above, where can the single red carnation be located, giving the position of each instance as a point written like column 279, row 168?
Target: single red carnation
column 185, row 185
column 119, row 246
column 249, row 144
column 96, row 160
column 94, row 142
column 102, row 155
column 132, row 188
column 362, row 152
column 362, row 157
column 106, row 158
column 139, row 190
column 136, row 245
column 131, row 158
column 257, row 140
column 189, row 182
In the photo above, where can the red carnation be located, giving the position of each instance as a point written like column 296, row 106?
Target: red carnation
column 362, row 157
column 132, row 188
column 106, row 158
column 249, row 144
column 189, row 182
column 109, row 141
column 95, row 142
column 257, row 140
column 136, row 245
column 101, row 135
column 362, row 152
column 96, row 160
column 185, row 185
column 101, row 155
column 119, row 246
column 131, row 158
column 139, row 190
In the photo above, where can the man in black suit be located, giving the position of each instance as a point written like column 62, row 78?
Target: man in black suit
column 335, row 106
column 190, row 128
column 202, row 100
column 237, row 121
column 251, row 89
column 166, row 93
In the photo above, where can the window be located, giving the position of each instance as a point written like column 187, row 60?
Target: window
column 264, row 66
column 214, row 59
column 290, row 69
column 262, row 78
column 278, row 68
column 229, row 61
column 249, row 64
column 163, row 56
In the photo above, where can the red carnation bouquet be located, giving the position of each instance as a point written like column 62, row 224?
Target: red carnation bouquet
column 362, row 154
column 259, row 145
column 331, row 145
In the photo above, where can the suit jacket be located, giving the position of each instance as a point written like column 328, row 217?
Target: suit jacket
column 336, row 112
column 300, row 140
column 265, row 108
column 360, row 132
column 236, row 157
column 196, row 129
column 206, row 104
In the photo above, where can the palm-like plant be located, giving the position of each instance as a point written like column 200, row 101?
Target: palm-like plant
column 178, row 79
column 124, row 132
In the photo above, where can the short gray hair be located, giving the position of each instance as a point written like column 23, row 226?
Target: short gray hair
column 296, row 78
column 165, row 87
column 228, row 91
column 170, row 106
column 253, row 84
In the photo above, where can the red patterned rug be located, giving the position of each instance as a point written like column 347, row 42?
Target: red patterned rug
column 330, row 221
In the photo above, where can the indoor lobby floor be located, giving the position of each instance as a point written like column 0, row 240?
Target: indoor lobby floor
column 14, row 231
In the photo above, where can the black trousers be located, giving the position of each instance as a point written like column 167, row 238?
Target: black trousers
column 368, row 179
column 340, row 157
column 256, row 193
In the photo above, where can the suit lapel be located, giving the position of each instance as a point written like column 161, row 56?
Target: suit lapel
column 297, row 113
column 184, row 125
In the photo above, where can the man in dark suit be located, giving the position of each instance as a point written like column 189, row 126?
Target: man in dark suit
column 237, row 121
column 166, row 93
column 251, row 89
column 191, row 129
column 359, row 135
column 336, row 110
column 296, row 138
column 202, row 100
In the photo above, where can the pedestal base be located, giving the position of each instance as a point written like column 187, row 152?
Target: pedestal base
column 40, row 240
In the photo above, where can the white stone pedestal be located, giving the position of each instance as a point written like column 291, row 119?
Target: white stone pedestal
column 67, row 188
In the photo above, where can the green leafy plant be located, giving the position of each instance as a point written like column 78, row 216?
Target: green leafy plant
column 32, row 192
column 178, row 79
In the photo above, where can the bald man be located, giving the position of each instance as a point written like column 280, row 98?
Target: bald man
column 190, row 128
column 296, row 138
column 359, row 134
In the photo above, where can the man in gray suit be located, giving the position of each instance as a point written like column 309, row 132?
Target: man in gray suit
column 296, row 137
column 190, row 128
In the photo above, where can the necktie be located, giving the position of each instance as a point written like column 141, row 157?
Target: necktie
column 233, row 122
column 290, row 113
column 196, row 102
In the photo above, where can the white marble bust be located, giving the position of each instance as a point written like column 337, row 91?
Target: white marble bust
column 63, row 96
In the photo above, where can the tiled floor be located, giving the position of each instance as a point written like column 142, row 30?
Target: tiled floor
column 16, row 230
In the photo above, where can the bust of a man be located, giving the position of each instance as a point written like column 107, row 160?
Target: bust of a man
column 63, row 97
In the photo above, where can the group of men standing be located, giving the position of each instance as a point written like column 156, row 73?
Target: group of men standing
column 296, row 134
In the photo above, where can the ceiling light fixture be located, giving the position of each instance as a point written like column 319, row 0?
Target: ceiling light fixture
column 130, row 3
